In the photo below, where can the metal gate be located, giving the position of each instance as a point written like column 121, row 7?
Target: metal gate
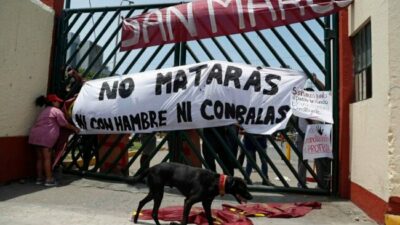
column 88, row 40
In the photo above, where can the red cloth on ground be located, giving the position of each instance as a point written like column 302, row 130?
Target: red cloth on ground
column 234, row 214
column 274, row 210
column 197, row 216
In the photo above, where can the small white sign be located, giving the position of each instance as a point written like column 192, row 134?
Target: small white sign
column 318, row 141
column 315, row 105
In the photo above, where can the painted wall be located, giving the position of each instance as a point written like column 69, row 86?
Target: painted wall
column 394, row 97
column 25, row 46
column 374, row 123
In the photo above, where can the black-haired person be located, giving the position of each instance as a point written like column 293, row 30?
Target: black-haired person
column 44, row 134
column 76, row 84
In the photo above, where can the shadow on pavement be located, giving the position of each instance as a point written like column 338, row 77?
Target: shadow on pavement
column 28, row 186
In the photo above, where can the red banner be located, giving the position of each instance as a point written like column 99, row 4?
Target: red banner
column 211, row 18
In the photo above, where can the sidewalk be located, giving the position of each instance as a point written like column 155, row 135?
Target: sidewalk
column 79, row 201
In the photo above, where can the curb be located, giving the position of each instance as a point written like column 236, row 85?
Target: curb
column 392, row 219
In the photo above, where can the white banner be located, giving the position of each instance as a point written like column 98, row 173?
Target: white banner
column 208, row 94
column 318, row 141
column 315, row 105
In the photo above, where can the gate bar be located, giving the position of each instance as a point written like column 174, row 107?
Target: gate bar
column 254, row 48
column 266, row 157
column 307, row 49
column 231, row 156
column 254, row 163
column 287, row 162
column 84, row 40
column 271, row 48
column 209, row 146
column 336, row 115
column 116, row 30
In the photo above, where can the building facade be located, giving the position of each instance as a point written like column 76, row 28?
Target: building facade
column 370, row 101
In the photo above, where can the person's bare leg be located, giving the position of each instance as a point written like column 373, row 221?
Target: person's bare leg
column 47, row 164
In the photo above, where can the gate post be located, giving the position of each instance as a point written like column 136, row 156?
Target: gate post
column 335, row 94
column 55, row 50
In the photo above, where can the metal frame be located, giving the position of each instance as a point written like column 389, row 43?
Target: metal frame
column 241, row 48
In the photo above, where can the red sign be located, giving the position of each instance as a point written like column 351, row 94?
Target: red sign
column 211, row 18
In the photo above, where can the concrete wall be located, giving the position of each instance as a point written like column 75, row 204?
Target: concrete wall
column 394, row 97
column 374, row 123
column 369, row 121
column 26, row 38
column 25, row 45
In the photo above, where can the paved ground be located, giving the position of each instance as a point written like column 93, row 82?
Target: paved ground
column 79, row 201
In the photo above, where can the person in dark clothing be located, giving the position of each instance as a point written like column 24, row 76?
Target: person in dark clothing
column 323, row 165
column 216, row 145
column 251, row 148
column 147, row 149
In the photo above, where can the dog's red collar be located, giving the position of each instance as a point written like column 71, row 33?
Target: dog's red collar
column 221, row 184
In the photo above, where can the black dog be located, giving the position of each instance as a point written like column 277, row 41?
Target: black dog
column 196, row 184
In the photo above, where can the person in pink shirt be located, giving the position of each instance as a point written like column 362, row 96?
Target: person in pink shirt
column 44, row 134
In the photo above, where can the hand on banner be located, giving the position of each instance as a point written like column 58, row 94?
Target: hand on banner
column 310, row 104
column 317, row 82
